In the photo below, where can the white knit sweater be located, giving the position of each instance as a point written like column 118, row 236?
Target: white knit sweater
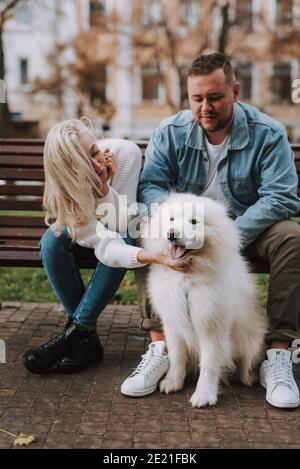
column 107, row 242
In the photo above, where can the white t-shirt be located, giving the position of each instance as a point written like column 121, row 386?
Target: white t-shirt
column 213, row 188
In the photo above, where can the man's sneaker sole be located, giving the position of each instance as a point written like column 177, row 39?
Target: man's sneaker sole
column 145, row 392
column 286, row 405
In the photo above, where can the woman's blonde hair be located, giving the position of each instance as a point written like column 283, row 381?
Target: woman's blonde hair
column 72, row 186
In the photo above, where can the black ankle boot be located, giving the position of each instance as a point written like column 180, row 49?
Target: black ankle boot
column 47, row 357
column 88, row 352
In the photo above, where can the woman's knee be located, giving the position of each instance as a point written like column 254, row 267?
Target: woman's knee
column 52, row 246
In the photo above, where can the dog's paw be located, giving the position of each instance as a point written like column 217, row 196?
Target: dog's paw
column 202, row 399
column 168, row 385
column 249, row 378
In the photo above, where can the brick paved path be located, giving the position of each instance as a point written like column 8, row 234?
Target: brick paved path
column 87, row 410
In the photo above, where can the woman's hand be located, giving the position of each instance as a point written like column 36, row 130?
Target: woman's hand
column 110, row 162
column 111, row 168
column 104, row 189
column 180, row 265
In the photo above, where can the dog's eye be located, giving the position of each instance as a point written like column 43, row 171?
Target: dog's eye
column 171, row 218
column 194, row 221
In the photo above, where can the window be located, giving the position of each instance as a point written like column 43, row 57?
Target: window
column 150, row 82
column 244, row 17
column 151, row 12
column 281, row 83
column 189, row 12
column 97, row 12
column 24, row 13
column 23, row 71
column 284, row 12
column 244, row 77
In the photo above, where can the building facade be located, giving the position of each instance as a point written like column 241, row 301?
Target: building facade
column 141, row 50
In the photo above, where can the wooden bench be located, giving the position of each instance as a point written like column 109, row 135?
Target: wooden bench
column 21, row 189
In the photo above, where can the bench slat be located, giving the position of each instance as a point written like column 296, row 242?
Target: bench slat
column 19, row 161
column 22, row 142
column 21, row 232
column 30, row 151
column 35, row 205
column 16, row 189
column 19, row 244
column 22, row 257
column 9, row 221
column 22, row 174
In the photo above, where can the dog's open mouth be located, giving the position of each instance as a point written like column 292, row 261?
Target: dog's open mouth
column 177, row 251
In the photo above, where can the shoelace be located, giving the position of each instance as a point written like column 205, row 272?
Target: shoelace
column 155, row 359
column 55, row 338
column 281, row 372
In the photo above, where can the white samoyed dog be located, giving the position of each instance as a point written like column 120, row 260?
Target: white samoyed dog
column 210, row 314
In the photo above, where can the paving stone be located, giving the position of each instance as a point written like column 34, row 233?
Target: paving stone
column 147, row 437
column 176, row 440
column 88, row 442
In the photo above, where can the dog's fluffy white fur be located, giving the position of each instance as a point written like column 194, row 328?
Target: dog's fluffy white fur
column 211, row 314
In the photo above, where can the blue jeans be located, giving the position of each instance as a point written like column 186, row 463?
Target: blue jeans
column 60, row 261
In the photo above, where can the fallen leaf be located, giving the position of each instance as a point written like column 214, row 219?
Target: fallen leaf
column 24, row 439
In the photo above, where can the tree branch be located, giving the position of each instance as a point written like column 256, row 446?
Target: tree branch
column 6, row 9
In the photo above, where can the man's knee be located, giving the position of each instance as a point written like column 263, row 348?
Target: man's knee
column 286, row 231
column 282, row 242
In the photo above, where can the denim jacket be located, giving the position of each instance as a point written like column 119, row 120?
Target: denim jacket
column 256, row 171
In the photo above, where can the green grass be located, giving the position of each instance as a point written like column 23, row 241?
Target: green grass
column 21, row 213
column 31, row 285
column 262, row 282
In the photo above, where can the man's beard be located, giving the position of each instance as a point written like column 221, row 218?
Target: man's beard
column 221, row 124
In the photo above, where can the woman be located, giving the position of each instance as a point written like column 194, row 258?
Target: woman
column 84, row 180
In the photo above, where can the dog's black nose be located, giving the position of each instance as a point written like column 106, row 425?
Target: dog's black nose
column 172, row 235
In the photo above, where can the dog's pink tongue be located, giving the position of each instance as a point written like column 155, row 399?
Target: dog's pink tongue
column 177, row 251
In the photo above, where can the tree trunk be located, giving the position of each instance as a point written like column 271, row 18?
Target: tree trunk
column 224, row 29
column 6, row 124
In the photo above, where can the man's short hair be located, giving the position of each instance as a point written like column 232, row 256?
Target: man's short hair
column 207, row 64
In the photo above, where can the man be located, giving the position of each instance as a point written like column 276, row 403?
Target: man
column 231, row 152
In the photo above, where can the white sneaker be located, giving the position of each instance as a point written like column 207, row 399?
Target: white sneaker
column 276, row 375
column 145, row 378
